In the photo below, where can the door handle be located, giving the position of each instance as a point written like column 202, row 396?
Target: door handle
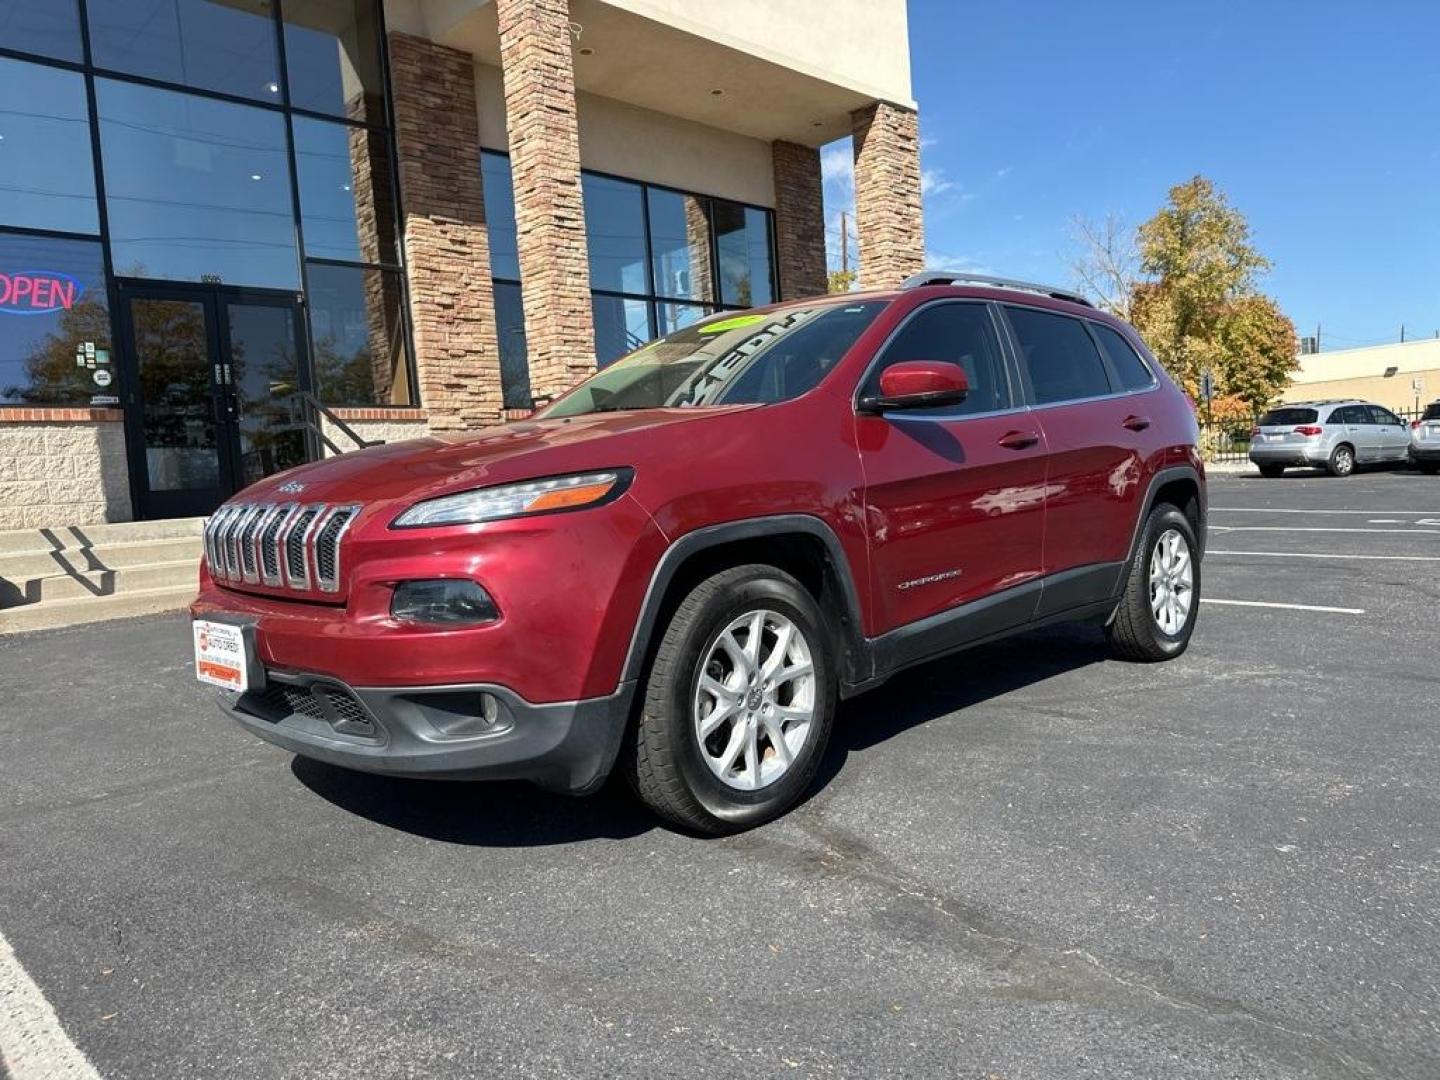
column 1018, row 440
column 1136, row 423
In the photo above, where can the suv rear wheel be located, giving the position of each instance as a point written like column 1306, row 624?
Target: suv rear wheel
column 1342, row 460
column 1157, row 612
column 739, row 703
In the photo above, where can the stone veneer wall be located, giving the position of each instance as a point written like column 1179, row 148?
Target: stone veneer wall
column 888, row 220
column 374, row 424
column 447, row 244
column 799, row 220
column 544, row 137
column 62, row 467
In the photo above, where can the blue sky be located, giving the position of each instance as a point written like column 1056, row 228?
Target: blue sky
column 1320, row 120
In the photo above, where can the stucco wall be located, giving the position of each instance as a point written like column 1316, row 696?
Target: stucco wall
column 645, row 145
column 56, row 474
column 1394, row 393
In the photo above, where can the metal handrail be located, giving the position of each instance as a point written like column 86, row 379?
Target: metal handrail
column 309, row 401
column 960, row 277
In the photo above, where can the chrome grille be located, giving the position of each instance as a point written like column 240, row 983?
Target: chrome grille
column 278, row 544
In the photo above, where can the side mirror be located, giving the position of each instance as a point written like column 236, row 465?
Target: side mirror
column 918, row 384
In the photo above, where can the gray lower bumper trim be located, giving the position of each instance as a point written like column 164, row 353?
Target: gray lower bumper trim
column 564, row 746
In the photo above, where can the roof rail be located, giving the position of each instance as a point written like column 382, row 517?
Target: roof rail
column 960, row 277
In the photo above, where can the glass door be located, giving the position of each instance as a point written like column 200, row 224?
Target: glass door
column 212, row 376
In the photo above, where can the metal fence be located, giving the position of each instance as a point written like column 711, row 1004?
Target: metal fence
column 1222, row 446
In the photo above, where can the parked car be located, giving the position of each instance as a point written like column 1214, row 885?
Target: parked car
column 1425, row 440
column 679, row 568
column 1332, row 435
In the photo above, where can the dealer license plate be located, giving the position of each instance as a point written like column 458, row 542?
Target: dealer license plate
column 220, row 657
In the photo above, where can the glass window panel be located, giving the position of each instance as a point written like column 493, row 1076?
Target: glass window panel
column 500, row 216
column 1059, row 356
column 266, row 371
column 615, row 233
column 672, row 317
column 621, row 326
column 1128, row 366
column 47, row 27
column 360, row 356
column 222, row 45
column 346, row 201
column 948, row 333
column 53, row 308
column 332, row 54
column 197, row 189
column 514, row 366
column 172, row 355
column 680, row 245
column 47, row 176
column 742, row 238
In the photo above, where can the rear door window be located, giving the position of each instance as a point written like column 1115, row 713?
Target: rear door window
column 1059, row 356
column 1289, row 417
column 1384, row 416
column 1124, row 360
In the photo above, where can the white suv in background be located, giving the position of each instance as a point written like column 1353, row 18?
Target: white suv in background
column 1332, row 435
column 1425, row 440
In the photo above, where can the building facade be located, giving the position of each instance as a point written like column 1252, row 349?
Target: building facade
column 1403, row 376
column 236, row 233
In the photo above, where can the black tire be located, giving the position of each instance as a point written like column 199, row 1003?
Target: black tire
column 1430, row 468
column 1342, row 460
column 664, row 763
column 1270, row 472
column 1133, row 630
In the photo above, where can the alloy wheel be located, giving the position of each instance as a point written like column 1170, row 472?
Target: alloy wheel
column 1172, row 582
column 754, row 704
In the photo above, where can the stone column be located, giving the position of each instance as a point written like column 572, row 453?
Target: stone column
column 888, row 219
column 799, row 220
column 447, row 246
column 544, row 137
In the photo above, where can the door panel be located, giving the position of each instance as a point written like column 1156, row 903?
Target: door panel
column 954, row 514
column 264, row 376
column 183, row 466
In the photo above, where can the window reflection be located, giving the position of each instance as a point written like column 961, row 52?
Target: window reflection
column 510, row 330
column 680, row 245
column 53, row 312
column 359, row 351
column 223, row 45
column 49, row 28
column 346, row 203
column 500, row 216
column 197, row 189
column 742, row 241
column 672, row 317
column 621, row 326
column 47, row 179
column 332, row 54
column 615, row 233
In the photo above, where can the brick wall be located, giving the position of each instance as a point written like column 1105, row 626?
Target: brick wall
column 888, row 221
column 62, row 467
column 544, row 139
column 447, row 246
column 799, row 220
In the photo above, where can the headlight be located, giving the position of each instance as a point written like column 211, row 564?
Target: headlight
column 517, row 500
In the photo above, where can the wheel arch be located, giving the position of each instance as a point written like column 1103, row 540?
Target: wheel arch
column 1180, row 486
column 801, row 545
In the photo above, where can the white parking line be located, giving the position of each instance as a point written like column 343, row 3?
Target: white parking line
column 1324, row 555
column 1319, row 529
column 1287, row 607
column 33, row 1045
column 1276, row 510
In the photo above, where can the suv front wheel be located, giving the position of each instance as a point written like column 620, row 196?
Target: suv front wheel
column 738, row 705
column 1157, row 612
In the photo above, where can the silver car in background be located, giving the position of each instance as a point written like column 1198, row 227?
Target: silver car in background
column 1425, row 440
column 1332, row 435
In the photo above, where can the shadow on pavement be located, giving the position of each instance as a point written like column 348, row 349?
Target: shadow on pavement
column 522, row 815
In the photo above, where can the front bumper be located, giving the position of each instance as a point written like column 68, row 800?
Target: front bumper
column 434, row 731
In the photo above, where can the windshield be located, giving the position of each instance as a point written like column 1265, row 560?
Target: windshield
column 747, row 359
column 1288, row 417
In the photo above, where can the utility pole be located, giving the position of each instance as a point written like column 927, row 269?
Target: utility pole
column 1402, row 333
column 844, row 242
column 1317, row 337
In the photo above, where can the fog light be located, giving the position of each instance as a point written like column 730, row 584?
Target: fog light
column 444, row 602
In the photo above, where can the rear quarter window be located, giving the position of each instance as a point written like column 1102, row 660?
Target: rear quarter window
column 1288, row 417
column 1124, row 361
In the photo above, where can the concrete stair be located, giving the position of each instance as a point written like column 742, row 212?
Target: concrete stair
column 86, row 573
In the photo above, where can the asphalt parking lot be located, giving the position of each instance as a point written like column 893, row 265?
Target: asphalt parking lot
column 1027, row 861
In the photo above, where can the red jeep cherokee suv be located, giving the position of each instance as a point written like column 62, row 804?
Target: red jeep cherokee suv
column 684, row 564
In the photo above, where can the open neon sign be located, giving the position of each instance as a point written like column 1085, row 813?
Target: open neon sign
column 38, row 292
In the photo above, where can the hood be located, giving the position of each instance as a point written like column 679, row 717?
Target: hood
column 407, row 472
